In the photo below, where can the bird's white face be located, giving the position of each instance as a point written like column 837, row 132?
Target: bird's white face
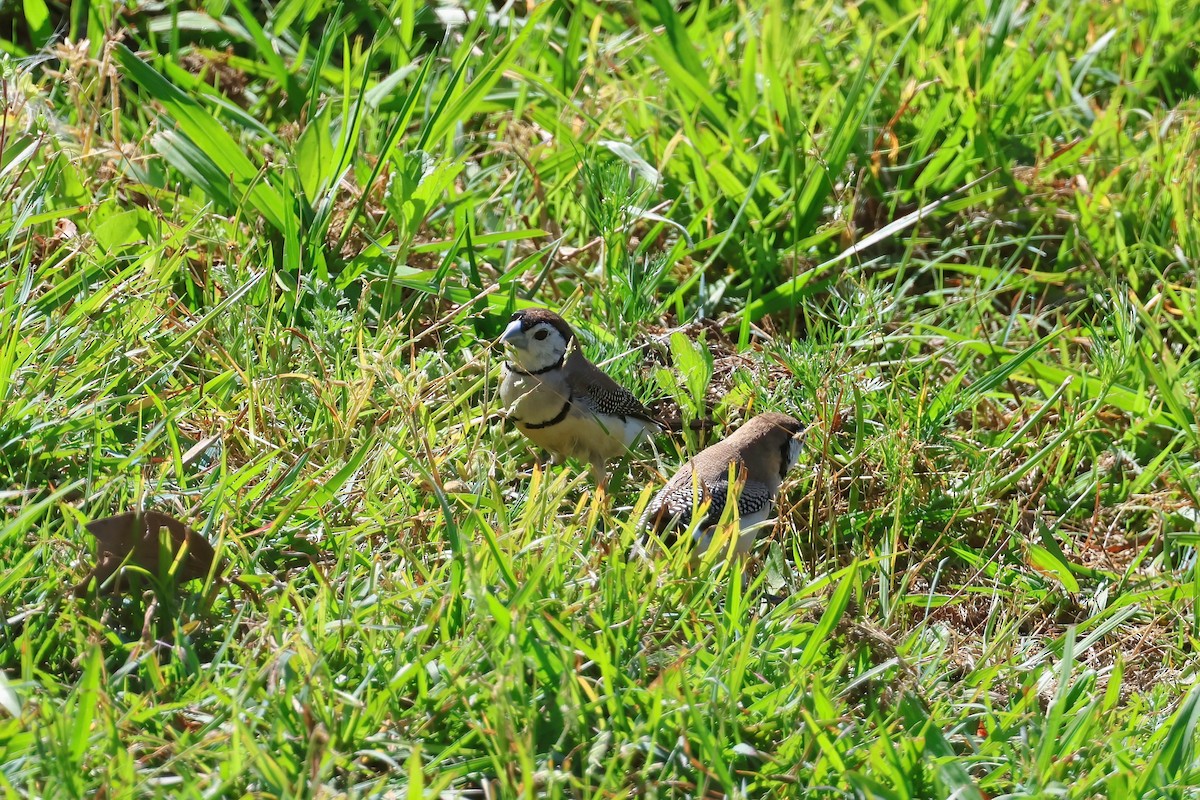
column 539, row 347
column 793, row 453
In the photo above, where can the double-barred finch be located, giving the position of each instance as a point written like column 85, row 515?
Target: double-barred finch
column 759, row 454
column 561, row 401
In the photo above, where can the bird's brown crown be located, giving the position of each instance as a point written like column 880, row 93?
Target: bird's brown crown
column 770, row 423
column 532, row 316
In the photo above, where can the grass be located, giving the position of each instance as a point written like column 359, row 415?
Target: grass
column 253, row 262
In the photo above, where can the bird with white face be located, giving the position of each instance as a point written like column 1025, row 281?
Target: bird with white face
column 759, row 455
column 561, row 401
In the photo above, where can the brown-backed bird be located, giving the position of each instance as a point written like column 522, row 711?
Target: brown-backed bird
column 760, row 453
column 563, row 402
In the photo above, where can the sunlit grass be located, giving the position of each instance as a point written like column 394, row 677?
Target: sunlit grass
column 252, row 268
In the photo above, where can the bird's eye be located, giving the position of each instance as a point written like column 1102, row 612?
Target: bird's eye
column 516, row 316
column 540, row 335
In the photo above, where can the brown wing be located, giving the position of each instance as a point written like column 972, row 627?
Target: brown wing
column 600, row 394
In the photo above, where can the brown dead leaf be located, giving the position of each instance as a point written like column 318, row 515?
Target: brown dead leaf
column 133, row 538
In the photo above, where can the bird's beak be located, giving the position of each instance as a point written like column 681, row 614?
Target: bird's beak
column 513, row 334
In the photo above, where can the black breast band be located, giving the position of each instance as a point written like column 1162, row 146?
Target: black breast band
column 534, row 426
column 514, row 368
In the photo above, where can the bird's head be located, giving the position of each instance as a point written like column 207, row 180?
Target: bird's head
column 779, row 435
column 539, row 339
